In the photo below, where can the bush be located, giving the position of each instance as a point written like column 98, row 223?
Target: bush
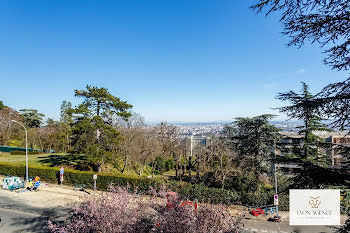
column 200, row 192
column 51, row 174
column 18, row 152
column 121, row 211
column 205, row 194
column 169, row 164
column 160, row 164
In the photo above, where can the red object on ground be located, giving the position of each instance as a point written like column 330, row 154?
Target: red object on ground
column 170, row 204
column 255, row 213
column 260, row 211
column 191, row 204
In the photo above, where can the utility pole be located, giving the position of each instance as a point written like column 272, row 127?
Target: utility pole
column 26, row 148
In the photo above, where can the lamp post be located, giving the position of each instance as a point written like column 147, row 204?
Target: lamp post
column 275, row 169
column 26, row 148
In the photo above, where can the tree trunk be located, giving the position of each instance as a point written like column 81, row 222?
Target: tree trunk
column 99, row 167
column 125, row 161
column 189, row 165
column 176, row 169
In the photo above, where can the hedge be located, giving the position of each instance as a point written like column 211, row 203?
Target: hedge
column 190, row 191
column 51, row 175
column 206, row 194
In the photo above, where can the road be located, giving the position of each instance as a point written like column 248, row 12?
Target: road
column 17, row 217
column 29, row 211
column 253, row 224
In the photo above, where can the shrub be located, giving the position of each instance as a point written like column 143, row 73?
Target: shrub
column 169, row 164
column 121, row 211
column 160, row 164
column 206, row 194
column 51, row 174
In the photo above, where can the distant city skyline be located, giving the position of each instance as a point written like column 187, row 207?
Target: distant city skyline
column 176, row 60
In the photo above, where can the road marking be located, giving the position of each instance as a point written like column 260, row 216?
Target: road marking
column 253, row 229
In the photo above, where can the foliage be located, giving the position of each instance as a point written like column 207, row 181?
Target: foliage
column 122, row 211
column 98, row 101
column 221, row 163
column 334, row 102
column 252, row 138
column 323, row 22
column 31, row 117
column 163, row 164
column 72, row 177
column 14, row 143
column 326, row 23
column 93, row 133
column 205, row 194
column 2, row 105
column 303, row 108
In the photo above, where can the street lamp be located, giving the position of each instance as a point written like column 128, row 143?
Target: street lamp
column 26, row 148
column 275, row 168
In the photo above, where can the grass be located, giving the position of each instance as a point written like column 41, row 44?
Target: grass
column 57, row 160
column 49, row 160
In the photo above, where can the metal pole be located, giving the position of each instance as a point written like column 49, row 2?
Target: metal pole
column 26, row 155
column 26, row 148
column 275, row 168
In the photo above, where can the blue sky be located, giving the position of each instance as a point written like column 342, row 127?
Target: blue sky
column 174, row 60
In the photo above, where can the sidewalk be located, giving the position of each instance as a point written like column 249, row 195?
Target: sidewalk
column 48, row 196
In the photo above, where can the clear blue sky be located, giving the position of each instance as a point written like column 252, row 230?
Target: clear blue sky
column 174, row 60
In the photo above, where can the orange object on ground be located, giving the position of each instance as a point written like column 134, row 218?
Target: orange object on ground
column 36, row 179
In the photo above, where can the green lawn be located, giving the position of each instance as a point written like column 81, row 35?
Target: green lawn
column 50, row 160
column 77, row 162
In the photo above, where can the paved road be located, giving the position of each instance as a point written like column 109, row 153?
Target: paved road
column 283, row 227
column 18, row 218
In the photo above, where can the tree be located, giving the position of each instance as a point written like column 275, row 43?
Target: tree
column 221, row 160
column 6, row 115
column 66, row 122
column 31, row 117
column 93, row 133
column 327, row 23
column 334, row 102
column 303, row 107
column 324, row 22
column 170, row 144
column 252, row 138
column 132, row 138
column 2, row 105
column 99, row 102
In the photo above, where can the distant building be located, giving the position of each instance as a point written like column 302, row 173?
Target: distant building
column 338, row 140
column 291, row 144
column 199, row 140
